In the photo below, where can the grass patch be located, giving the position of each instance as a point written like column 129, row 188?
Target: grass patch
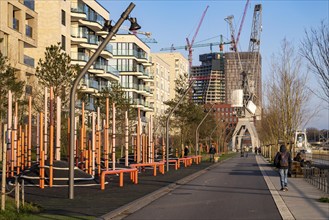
column 324, row 199
column 11, row 211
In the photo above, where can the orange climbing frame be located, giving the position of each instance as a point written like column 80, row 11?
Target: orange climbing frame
column 133, row 176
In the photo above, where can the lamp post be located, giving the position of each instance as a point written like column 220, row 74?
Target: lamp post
column 167, row 122
column 197, row 131
column 112, row 30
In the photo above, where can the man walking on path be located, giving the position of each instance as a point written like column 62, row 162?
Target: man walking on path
column 212, row 152
column 282, row 161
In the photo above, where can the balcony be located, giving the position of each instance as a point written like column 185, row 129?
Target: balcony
column 108, row 51
column 92, row 42
column 79, row 58
column 28, row 61
column 105, row 71
column 79, row 35
column 78, row 12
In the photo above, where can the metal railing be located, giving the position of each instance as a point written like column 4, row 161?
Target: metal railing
column 318, row 177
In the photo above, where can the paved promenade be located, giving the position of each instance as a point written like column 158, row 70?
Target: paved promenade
column 300, row 202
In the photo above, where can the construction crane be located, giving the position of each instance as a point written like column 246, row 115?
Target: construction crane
column 229, row 20
column 190, row 44
column 241, row 24
column 185, row 47
column 247, row 111
column 148, row 35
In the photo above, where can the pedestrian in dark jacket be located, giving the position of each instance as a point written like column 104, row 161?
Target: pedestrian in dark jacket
column 282, row 161
column 186, row 151
column 212, row 152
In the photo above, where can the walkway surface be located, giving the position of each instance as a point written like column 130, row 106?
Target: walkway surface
column 300, row 202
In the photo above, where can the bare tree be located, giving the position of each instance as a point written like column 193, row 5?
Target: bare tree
column 315, row 48
column 287, row 96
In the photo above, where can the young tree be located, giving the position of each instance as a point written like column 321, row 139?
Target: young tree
column 56, row 71
column 188, row 115
column 122, row 104
column 8, row 81
column 287, row 97
column 315, row 48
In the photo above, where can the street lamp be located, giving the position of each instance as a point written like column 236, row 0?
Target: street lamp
column 197, row 131
column 167, row 122
column 112, row 30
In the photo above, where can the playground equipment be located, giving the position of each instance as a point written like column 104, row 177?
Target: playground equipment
column 34, row 151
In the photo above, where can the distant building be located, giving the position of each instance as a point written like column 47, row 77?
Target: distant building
column 220, row 74
column 161, row 84
column 132, row 59
column 178, row 66
column 19, row 33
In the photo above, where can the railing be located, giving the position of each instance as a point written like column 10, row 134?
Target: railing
column 79, row 56
column 318, row 177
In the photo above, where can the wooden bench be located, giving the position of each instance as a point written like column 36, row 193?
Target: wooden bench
column 133, row 175
column 186, row 160
column 175, row 161
column 196, row 158
column 154, row 165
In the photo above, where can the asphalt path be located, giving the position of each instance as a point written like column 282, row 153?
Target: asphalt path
column 234, row 189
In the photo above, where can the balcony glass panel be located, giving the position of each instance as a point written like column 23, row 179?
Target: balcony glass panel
column 112, row 70
column 80, row 8
column 80, row 32
column 79, row 56
column 92, row 39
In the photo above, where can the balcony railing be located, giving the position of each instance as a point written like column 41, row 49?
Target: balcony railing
column 112, row 70
column 80, row 32
column 79, row 56
column 29, row 61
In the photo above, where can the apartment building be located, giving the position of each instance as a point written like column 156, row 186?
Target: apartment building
column 178, row 66
column 19, row 33
column 132, row 59
column 161, row 85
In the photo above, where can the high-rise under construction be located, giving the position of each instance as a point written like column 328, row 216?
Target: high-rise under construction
column 222, row 73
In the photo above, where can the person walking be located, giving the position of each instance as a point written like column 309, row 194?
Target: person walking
column 186, row 151
column 283, row 161
column 212, row 152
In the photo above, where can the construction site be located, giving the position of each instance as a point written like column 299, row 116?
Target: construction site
column 230, row 80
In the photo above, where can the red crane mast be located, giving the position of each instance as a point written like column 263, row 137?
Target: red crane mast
column 190, row 44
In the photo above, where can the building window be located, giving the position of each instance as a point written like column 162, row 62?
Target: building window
column 63, row 42
column 63, row 18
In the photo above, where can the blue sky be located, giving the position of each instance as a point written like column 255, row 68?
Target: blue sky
column 170, row 22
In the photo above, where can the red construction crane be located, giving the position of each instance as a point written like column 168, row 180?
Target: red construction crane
column 190, row 44
column 241, row 24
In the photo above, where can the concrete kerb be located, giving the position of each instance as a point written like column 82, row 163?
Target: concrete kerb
column 134, row 206
column 282, row 207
